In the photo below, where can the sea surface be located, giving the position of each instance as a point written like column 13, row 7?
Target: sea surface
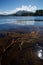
column 21, row 22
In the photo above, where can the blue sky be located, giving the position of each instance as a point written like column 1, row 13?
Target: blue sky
column 7, row 5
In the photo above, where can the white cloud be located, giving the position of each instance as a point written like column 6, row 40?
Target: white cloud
column 1, row 12
column 23, row 7
column 27, row 8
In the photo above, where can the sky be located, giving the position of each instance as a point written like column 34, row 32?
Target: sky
column 10, row 6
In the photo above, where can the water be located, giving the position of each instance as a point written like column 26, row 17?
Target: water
column 14, row 22
column 27, row 23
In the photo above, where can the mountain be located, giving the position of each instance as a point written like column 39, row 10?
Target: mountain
column 23, row 13
column 19, row 13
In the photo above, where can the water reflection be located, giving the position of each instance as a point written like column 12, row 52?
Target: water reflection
column 30, row 23
column 40, row 54
column 24, row 22
column 36, row 21
column 17, row 20
column 39, row 51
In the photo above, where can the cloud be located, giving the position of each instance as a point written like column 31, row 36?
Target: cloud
column 23, row 7
column 27, row 8
column 1, row 12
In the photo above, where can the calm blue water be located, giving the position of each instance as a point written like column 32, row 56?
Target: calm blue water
column 12, row 22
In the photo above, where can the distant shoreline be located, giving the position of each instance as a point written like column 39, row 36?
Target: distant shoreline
column 25, row 13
